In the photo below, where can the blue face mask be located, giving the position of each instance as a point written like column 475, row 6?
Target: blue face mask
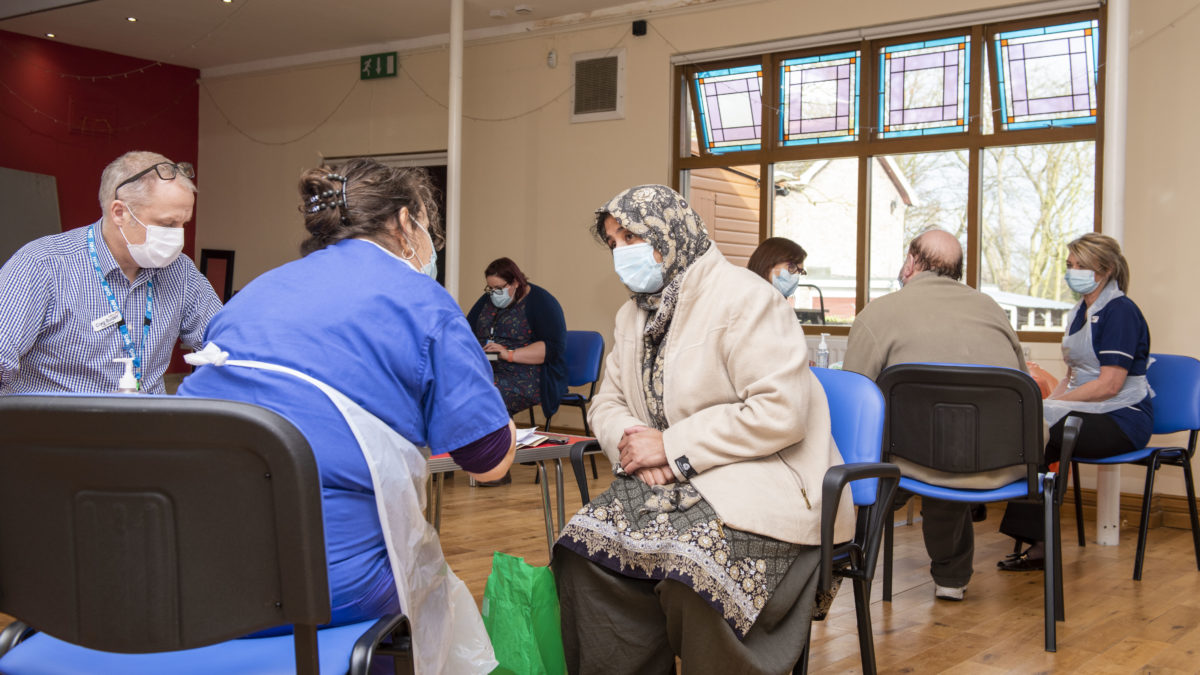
column 637, row 268
column 429, row 269
column 1081, row 281
column 501, row 298
column 785, row 282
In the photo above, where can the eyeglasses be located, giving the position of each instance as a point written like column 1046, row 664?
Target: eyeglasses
column 489, row 289
column 165, row 171
column 796, row 269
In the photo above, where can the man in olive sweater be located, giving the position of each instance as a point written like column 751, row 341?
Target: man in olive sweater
column 935, row 317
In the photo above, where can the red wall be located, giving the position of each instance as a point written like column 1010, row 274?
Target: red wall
column 53, row 122
column 68, row 111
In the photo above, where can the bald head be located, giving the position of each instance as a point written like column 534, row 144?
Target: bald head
column 937, row 251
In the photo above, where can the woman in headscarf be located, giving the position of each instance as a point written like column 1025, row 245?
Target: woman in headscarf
column 705, row 545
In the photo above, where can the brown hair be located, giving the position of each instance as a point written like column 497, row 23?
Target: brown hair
column 1101, row 253
column 507, row 270
column 773, row 251
column 374, row 193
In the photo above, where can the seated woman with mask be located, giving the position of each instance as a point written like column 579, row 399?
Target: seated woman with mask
column 706, row 545
column 356, row 339
column 1107, row 350
column 779, row 261
column 523, row 325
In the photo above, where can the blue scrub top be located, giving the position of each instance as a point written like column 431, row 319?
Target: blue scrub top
column 1121, row 337
column 389, row 338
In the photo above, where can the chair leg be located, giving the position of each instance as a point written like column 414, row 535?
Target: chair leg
column 1048, row 589
column 1060, row 609
column 596, row 474
column 532, row 423
column 1191, row 497
column 1144, row 524
column 888, row 535
column 1078, row 506
column 866, row 641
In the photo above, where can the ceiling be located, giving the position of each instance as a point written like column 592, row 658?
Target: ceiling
column 214, row 34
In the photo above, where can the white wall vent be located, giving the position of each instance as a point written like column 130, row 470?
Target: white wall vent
column 599, row 92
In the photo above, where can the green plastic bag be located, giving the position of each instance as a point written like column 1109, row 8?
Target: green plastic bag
column 520, row 611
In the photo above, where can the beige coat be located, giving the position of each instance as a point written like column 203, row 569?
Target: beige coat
column 742, row 404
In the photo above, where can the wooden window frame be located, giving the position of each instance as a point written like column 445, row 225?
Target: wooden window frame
column 868, row 146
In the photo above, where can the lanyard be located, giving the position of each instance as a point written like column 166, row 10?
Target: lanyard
column 113, row 306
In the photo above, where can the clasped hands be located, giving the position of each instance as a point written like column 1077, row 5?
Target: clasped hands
column 643, row 455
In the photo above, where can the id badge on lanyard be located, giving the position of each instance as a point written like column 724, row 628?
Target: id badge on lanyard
column 115, row 316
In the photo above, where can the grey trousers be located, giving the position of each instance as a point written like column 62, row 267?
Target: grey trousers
column 613, row 625
column 949, row 538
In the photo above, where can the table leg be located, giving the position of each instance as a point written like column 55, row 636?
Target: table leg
column 558, row 483
column 1108, row 504
column 437, row 511
column 541, row 467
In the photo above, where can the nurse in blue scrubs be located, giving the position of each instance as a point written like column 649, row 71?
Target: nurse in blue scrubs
column 356, row 339
column 1107, row 351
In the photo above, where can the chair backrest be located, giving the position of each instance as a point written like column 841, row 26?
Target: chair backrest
column 584, row 352
column 962, row 418
column 1176, row 383
column 151, row 523
column 856, row 412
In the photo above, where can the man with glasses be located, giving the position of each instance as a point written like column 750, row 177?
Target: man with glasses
column 71, row 303
column 934, row 317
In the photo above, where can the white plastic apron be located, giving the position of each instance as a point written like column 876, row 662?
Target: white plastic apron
column 1081, row 356
column 448, row 632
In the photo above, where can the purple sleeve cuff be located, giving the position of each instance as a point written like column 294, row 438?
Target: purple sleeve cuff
column 481, row 455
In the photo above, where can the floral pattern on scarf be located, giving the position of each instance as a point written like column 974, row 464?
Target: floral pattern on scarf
column 663, row 218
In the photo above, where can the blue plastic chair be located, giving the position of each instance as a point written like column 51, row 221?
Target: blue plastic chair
column 584, row 352
column 1176, row 383
column 968, row 419
column 856, row 412
column 142, row 534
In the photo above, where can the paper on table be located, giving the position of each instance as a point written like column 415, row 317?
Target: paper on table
column 529, row 437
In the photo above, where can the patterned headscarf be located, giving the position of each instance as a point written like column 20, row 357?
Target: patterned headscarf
column 663, row 218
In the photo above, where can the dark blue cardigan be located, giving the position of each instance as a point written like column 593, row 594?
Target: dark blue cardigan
column 546, row 320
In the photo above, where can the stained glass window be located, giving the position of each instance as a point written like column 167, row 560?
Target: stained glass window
column 730, row 108
column 819, row 99
column 1048, row 75
column 924, row 87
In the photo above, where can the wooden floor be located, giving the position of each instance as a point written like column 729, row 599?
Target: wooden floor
column 1114, row 624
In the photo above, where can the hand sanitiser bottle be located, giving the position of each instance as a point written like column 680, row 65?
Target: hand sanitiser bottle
column 128, row 383
column 823, row 352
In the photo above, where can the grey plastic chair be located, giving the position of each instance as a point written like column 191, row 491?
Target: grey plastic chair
column 132, row 527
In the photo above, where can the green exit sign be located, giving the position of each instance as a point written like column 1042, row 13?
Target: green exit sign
column 375, row 66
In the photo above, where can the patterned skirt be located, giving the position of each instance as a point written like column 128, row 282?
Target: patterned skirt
column 671, row 532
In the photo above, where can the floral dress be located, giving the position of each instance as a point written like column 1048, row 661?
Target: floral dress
column 518, row 382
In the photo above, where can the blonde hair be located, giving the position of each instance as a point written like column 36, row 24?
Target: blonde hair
column 137, row 192
column 1102, row 253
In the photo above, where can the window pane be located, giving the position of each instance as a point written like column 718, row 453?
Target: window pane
column 727, row 201
column 819, row 99
column 730, row 102
column 1048, row 75
column 987, row 121
column 816, row 205
column 1035, row 199
column 924, row 87
column 911, row 194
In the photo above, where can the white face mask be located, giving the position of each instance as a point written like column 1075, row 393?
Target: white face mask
column 161, row 248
